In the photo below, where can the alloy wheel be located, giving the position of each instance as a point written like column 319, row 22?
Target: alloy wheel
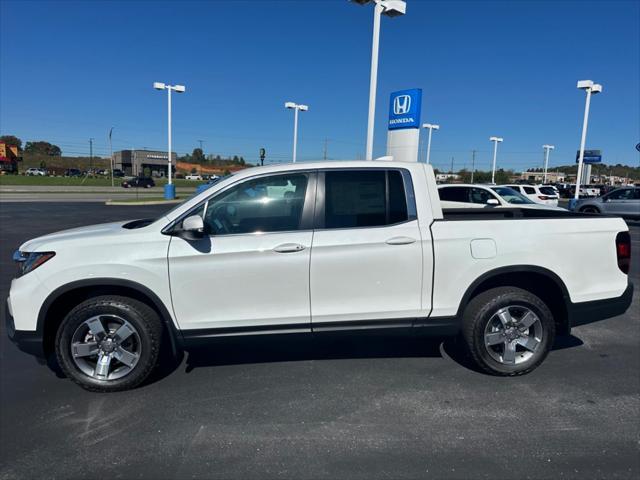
column 106, row 347
column 513, row 335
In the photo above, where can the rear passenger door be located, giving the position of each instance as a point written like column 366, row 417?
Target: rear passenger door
column 366, row 258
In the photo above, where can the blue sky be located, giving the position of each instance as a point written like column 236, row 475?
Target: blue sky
column 71, row 70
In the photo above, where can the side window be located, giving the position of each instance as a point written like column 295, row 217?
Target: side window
column 454, row 194
column 267, row 204
column 397, row 198
column 364, row 198
column 622, row 194
column 478, row 195
column 529, row 190
column 636, row 193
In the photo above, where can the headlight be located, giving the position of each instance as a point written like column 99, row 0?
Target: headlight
column 30, row 261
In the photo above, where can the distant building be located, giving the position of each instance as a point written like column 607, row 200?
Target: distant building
column 134, row 162
column 537, row 177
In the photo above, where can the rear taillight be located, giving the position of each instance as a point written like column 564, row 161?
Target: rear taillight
column 543, row 197
column 623, row 251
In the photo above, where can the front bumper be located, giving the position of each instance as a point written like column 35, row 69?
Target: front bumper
column 589, row 312
column 30, row 342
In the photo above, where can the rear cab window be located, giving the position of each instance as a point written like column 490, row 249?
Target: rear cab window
column 365, row 198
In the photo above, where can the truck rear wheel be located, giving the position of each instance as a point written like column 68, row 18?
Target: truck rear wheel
column 508, row 331
column 109, row 343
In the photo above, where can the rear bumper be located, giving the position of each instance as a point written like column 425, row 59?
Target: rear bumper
column 28, row 341
column 589, row 312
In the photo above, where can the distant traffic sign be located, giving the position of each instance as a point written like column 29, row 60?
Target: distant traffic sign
column 590, row 156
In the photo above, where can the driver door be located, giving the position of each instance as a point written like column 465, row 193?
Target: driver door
column 620, row 202
column 251, row 269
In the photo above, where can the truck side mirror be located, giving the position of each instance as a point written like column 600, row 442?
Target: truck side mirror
column 493, row 202
column 192, row 228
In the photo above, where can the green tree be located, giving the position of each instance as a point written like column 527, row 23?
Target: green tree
column 198, row 155
column 43, row 148
column 11, row 140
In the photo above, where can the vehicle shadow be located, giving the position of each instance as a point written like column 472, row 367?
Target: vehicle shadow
column 291, row 348
column 326, row 346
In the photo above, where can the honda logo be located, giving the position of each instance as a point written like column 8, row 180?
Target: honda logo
column 401, row 104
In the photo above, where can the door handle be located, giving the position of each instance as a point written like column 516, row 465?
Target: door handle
column 289, row 248
column 400, row 241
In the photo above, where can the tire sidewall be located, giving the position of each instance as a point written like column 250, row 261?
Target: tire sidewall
column 86, row 310
column 514, row 299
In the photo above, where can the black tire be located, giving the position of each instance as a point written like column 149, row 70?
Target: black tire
column 591, row 210
column 144, row 320
column 483, row 308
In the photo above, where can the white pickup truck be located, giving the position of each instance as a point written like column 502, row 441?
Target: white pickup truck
column 315, row 247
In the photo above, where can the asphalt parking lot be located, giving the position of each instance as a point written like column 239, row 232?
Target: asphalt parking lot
column 327, row 407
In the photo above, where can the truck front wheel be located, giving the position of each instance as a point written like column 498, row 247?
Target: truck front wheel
column 109, row 343
column 508, row 331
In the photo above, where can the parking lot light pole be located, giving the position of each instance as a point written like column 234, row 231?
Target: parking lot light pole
column 111, row 157
column 169, row 188
column 390, row 8
column 546, row 161
column 590, row 88
column 431, row 127
column 496, row 141
column 295, row 107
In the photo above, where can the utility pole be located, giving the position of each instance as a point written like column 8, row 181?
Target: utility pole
column 200, row 142
column 452, row 165
column 473, row 163
column 90, row 153
column 324, row 156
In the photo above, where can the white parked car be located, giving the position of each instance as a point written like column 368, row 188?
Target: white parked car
column 315, row 247
column 542, row 194
column 193, row 176
column 36, row 172
column 484, row 196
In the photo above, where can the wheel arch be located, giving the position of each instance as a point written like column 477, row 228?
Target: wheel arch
column 590, row 206
column 64, row 298
column 540, row 281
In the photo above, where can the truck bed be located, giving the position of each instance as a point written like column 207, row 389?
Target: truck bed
column 451, row 214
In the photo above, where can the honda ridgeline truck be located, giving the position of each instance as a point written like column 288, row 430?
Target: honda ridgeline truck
column 315, row 247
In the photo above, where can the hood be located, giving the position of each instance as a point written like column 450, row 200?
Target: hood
column 81, row 233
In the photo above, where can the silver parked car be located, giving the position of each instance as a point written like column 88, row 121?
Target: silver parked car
column 623, row 201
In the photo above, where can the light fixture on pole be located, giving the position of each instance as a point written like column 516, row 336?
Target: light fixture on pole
column 496, row 141
column 590, row 88
column 546, row 161
column 169, row 188
column 295, row 107
column 390, row 8
column 431, row 127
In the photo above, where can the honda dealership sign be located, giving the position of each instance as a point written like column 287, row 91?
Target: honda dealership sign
column 403, row 137
column 404, row 109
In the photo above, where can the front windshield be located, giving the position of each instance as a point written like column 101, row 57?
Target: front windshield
column 511, row 196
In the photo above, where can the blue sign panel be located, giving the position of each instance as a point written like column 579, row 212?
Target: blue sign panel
column 404, row 109
column 590, row 156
